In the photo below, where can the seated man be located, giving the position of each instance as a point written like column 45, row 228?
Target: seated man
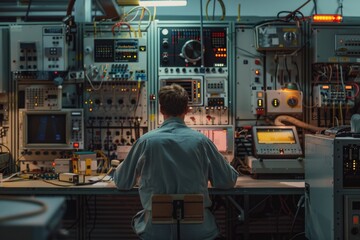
column 174, row 159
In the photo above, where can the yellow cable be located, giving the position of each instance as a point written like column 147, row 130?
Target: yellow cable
column 340, row 111
column 207, row 7
column 333, row 116
column 223, row 9
column 154, row 14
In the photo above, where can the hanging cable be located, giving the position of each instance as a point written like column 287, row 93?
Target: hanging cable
column 223, row 9
column 28, row 10
column 41, row 210
column 315, row 6
column 201, row 35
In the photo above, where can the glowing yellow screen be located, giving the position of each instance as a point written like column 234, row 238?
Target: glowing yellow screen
column 271, row 136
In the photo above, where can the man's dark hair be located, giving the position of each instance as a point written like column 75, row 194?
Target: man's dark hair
column 173, row 100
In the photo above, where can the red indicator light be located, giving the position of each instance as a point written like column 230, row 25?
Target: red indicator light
column 355, row 219
column 76, row 145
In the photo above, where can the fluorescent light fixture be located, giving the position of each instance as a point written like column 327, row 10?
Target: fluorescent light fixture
column 163, row 3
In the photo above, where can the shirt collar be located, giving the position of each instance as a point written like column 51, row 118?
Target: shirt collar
column 171, row 120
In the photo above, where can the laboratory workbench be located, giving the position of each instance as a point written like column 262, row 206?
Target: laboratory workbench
column 101, row 211
column 244, row 185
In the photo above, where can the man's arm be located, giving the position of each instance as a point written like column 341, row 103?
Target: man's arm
column 129, row 170
column 221, row 173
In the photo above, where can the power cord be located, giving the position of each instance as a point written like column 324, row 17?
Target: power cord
column 41, row 210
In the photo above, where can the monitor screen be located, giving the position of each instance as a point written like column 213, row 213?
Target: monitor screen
column 275, row 136
column 193, row 87
column 46, row 128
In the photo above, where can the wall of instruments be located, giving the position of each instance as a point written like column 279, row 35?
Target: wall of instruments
column 101, row 81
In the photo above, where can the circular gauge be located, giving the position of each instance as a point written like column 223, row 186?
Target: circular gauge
column 292, row 101
column 191, row 51
column 275, row 102
column 289, row 36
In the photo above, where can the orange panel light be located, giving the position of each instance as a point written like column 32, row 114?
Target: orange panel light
column 337, row 18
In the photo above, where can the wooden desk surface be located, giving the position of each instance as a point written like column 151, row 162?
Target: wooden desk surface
column 245, row 185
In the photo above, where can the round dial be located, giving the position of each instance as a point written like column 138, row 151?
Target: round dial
column 292, row 101
column 289, row 36
column 191, row 51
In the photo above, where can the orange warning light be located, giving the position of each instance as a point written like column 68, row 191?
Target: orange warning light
column 336, row 18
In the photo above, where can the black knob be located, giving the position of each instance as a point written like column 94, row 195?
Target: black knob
column 109, row 101
column 165, row 44
column 354, row 230
column 165, row 59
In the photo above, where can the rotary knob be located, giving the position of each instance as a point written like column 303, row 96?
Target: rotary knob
column 292, row 101
column 191, row 51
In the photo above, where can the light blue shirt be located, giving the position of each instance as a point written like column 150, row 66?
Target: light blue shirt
column 174, row 159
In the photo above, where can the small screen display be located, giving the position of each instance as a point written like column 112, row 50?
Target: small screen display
column 275, row 136
column 46, row 128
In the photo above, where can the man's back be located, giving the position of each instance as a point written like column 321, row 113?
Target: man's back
column 175, row 162
column 174, row 159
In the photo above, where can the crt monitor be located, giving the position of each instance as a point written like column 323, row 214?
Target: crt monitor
column 52, row 129
column 46, row 128
column 276, row 142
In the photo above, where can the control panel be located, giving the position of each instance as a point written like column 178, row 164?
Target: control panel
column 38, row 48
column 180, row 50
column 351, row 161
column 352, row 217
column 179, row 58
column 347, row 44
column 116, row 89
column 41, row 97
column 208, row 103
column 283, row 101
column 278, row 37
column 258, row 101
column 115, row 59
column 333, row 95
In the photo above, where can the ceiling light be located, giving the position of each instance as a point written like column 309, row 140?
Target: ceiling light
column 163, row 3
